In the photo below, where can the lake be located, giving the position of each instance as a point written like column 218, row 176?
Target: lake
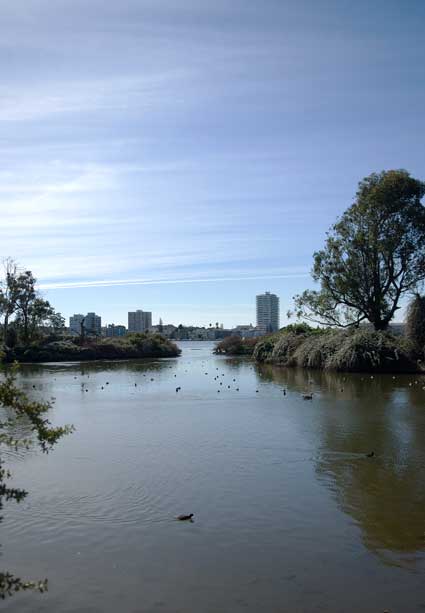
column 290, row 515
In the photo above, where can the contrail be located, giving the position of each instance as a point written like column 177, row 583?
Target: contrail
column 118, row 282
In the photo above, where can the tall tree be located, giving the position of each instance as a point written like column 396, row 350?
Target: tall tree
column 8, row 293
column 24, row 287
column 40, row 312
column 372, row 256
column 56, row 320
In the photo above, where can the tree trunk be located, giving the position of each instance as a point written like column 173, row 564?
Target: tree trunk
column 25, row 327
column 6, row 324
column 380, row 325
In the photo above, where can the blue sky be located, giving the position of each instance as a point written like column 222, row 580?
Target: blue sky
column 182, row 156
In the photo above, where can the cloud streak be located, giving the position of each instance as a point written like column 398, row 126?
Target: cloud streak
column 128, row 282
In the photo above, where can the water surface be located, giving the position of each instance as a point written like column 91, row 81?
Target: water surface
column 290, row 515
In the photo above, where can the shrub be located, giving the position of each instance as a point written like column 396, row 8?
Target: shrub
column 316, row 350
column 302, row 328
column 363, row 350
column 264, row 348
column 353, row 350
column 285, row 347
column 235, row 345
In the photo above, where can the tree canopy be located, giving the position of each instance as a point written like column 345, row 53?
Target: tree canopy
column 20, row 300
column 373, row 255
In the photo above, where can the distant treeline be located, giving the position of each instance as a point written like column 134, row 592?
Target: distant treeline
column 54, row 348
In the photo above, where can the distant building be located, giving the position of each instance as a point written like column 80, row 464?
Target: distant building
column 139, row 321
column 115, row 330
column 93, row 324
column 166, row 330
column 267, row 313
column 75, row 323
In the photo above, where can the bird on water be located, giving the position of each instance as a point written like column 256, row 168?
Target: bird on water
column 185, row 517
column 370, row 455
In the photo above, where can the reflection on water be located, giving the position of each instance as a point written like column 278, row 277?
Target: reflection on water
column 357, row 414
column 286, row 503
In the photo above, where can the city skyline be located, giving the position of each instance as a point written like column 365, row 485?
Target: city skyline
column 185, row 155
column 140, row 319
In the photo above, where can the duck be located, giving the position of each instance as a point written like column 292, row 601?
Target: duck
column 308, row 396
column 370, row 455
column 185, row 517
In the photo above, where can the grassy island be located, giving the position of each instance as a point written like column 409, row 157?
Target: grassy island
column 351, row 350
column 54, row 348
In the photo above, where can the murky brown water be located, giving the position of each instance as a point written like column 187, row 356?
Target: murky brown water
column 290, row 515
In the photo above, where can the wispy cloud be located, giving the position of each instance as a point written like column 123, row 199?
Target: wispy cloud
column 67, row 97
column 128, row 282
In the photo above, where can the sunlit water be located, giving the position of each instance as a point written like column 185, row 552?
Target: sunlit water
column 290, row 516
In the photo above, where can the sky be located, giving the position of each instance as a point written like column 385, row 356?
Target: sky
column 182, row 156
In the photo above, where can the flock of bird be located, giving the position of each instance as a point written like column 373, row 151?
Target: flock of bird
column 216, row 378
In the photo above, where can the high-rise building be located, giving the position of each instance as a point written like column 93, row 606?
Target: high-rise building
column 93, row 324
column 267, row 313
column 139, row 321
column 75, row 323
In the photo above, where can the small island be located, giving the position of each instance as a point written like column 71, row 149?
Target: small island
column 55, row 348
column 352, row 350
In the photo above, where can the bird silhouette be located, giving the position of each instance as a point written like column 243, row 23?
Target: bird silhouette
column 185, row 517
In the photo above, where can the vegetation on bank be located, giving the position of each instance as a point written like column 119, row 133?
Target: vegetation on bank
column 351, row 350
column 55, row 348
column 235, row 345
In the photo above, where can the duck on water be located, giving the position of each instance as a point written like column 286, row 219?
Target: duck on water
column 185, row 517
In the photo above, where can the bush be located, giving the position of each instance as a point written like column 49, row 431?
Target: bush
column 353, row 350
column 301, row 328
column 264, row 348
column 284, row 348
column 235, row 345
column 316, row 350
column 363, row 350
